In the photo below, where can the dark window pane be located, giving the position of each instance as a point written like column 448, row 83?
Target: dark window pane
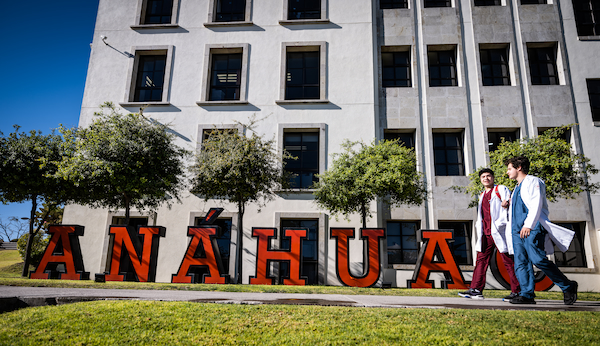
column 575, row 255
column 587, row 17
column 402, row 245
column 488, row 3
column 304, row 9
column 594, row 93
column 461, row 247
column 438, row 3
column 225, row 80
column 386, row 4
column 150, row 78
column 310, row 249
column 305, row 147
column 442, row 68
column 542, row 66
column 495, row 138
column 407, row 139
column 230, row 11
column 158, row 12
column 448, row 154
column 302, row 76
column 396, row 69
column 494, row 66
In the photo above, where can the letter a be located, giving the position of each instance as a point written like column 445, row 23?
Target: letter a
column 202, row 236
column 372, row 249
column 71, row 254
column 426, row 263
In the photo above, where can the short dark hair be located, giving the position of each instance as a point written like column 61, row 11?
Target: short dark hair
column 519, row 162
column 486, row 170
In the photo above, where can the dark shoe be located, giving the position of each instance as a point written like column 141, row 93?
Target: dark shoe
column 522, row 300
column 510, row 297
column 570, row 296
column 471, row 293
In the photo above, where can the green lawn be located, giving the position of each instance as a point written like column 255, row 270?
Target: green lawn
column 185, row 323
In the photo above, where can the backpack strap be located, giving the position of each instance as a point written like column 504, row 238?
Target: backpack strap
column 497, row 193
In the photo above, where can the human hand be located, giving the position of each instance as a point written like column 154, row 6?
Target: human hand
column 525, row 232
column 505, row 204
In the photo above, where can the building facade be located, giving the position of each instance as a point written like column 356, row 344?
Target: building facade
column 450, row 78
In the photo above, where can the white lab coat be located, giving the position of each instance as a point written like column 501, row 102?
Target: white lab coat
column 533, row 194
column 498, row 218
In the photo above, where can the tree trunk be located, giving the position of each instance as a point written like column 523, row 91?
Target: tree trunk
column 363, row 211
column 126, row 198
column 25, row 271
column 240, row 242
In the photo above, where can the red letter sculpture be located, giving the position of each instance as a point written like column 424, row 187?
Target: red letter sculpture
column 542, row 282
column 63, row 248
column 265, row 255
column 426, row 263
column 142, row 256
column 372, row 249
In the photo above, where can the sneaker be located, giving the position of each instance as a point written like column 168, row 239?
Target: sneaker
column 522, row 300
column 510, row 297
column 471, row 293
column 570, row 296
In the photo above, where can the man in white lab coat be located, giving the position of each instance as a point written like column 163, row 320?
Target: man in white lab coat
column 490, row 229
column 531, row 233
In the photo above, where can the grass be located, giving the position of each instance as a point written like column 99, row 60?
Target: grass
column 184, row 323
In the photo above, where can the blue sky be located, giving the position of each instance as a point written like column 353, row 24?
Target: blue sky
column 44, row 58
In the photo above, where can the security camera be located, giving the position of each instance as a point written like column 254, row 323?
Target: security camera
column 104, row 39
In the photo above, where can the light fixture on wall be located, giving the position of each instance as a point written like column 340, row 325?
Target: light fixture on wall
column 104, row 39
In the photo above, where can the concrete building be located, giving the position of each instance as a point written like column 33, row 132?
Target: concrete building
column 449, row 77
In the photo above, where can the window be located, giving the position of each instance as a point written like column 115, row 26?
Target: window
column 442, row 67
column 133, row 221
column 305, row 147
column 587, row 17
column 304, row 9
column 230, row 10
column 386, row 4
column 402, row 244
column 206, row 133
column 593, row 86
column 406, row 138
column 461, row 247
column 150, row 72
column 496, row 137
column 533, row 2
column 309, row 263
column 488, row 3
column 542, row 65
column 157, row 12
column 565, row 135
column 437, row 3
column 223, row 242
column 395, row 69
column 226, row 69
column 575, row 255
column 448, row 154
column 494, row 66
column 304, row 77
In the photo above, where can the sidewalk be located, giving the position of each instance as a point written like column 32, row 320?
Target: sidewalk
column 12, row 298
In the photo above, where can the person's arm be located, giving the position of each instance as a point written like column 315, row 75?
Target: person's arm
column 533, row 201
column 505, row 193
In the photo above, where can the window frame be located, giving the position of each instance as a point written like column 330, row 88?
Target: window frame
column 321, row 128
column 515, row 132
column 212, row 14
column 461, row 164
column 488, row 3
column 393, row 4
column 388, row 133
column 436, row 3
column 141, row 13
column 394, row 50
column 133, row 74
column 594, row 105
column 216, row 49
column 323, row 20
column 505, row 48
column 203, row 128
column 553, row 46
column 595, row 21
column 443, row 48
column 321, row 47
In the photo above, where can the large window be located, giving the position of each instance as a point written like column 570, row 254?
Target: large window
column 448, row 154
column 226, row 74
column 309, row 263
column 305, row 147
column 157, row 12
column 386, row 4
column 542, row 65
column 302, row 75
column 395, row 69
column 406, row 138
column 223, row 242
column 494, row 66
column 150, row 78
column 304, row 9
column 575, row 255
column 402, row 244
column 593, row 86
column 497, row 137
column 442, row 67
column 437, row 3
column 230, row 10
column 461, row 247
column 587, row 17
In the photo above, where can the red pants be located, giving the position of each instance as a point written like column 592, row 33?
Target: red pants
column 488, row 248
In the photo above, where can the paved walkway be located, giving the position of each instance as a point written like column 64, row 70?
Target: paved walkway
column 12, row 298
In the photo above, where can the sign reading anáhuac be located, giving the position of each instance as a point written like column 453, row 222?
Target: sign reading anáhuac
column 133, row 256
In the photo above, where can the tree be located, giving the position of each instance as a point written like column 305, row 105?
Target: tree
column 28, row 166
column 241, row 169
column 14, row 228
column 123, row 161
column 36, row 249
column 551, row 159
column 386, row 170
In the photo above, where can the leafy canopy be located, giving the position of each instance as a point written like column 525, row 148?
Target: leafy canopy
column 123, row 161
column 386, row 170
column 552, row 159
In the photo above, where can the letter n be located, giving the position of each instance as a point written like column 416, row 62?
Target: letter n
column 202, row 237
column 143, row 256
column 436, row 245
column 62, row 248
column 371, row 250
column 265, row 255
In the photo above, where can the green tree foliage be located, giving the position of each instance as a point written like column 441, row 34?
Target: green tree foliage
column 38, row 247
column 552, row 159
column 123, row 161
column 385, row 170
column 240, row 169
column 28, row 167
